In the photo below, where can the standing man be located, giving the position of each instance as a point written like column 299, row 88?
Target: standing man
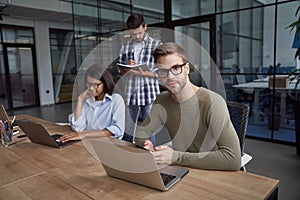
column 142, row 85
column 197, row 119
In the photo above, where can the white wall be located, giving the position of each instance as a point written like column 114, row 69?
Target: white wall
column 43, row 56
column 53, row 5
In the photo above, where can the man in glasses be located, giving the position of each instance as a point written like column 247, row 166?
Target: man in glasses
column 197, row 119
column 141, row 86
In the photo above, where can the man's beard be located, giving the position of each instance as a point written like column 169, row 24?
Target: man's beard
column 176, row 90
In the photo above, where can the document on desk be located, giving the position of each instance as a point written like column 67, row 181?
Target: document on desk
column 266, row 79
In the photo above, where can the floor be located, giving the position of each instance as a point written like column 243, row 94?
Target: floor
column 269, row 159
column 276, row 161
column 262, row 131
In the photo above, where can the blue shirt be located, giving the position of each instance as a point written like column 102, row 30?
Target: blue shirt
column 108, row 113
column 140, row 90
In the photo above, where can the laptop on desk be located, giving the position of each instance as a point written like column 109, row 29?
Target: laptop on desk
column 37, row 133
column 136, row 165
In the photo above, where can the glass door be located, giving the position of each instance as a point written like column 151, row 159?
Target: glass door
column 3, row 86
column 18, row 75
column 202, row 31
column 199, row 32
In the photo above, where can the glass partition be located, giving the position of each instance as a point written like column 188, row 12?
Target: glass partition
column 17, row 35
column 18, row 75
column 246, row 49
column 153, row 11
column 3, row 89
column 63, row 64
column 182, row 9
column 200, row 33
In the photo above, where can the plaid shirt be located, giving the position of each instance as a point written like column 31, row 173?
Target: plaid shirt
column 140, row 90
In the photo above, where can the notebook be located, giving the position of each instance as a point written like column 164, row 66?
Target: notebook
column 142, row 65
column 136, row 165
column 37, row 133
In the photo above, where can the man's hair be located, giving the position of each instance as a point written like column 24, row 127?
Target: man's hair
column 169, row 48
column 135, row 21
column 102, row 74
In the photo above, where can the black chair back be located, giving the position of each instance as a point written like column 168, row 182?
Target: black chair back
column 239, row 113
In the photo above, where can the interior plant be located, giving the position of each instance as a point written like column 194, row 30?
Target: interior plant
column 294, row 93
column 294, row 77
column 296, row 25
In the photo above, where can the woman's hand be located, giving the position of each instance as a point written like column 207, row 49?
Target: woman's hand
column 86, row 94
column 68, row 137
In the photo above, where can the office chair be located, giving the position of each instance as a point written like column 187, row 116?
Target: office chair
column 247, row 96
column 239, row 113
column 243, row 95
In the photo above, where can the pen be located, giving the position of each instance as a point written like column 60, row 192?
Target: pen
column 2, row 125
column 13, row 120
column 5, row 126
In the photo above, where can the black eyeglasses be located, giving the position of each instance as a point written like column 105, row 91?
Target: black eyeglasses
column 94, row 85
column 175, row 70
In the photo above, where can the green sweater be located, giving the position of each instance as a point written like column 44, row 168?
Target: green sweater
column 200, row 128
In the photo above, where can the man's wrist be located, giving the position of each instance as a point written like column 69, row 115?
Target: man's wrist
column 149, row 74
column 82, row 135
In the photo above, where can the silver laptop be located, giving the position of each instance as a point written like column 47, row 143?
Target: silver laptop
column 136, row 165
column 37, row 133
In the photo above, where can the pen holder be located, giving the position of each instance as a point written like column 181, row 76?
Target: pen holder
column 6, row 136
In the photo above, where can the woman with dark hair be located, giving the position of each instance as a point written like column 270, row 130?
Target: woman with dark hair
column 100, row 110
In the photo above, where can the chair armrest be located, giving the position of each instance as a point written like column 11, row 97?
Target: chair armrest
column 245, row 159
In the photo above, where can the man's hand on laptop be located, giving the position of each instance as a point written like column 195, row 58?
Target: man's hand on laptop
column 148, row 145
column 68, row 137
column 163, row 155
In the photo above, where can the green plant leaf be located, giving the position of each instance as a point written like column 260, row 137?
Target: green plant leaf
column 297, row 11
column 297, row 54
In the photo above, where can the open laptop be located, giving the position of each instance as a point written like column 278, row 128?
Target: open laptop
column 37, row 133
column 136, row 165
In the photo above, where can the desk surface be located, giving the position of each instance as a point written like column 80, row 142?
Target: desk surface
column 33, row 171
column 256, row 84
column 253, row 85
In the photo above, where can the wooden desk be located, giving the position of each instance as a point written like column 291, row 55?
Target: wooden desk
column 73, row 172
column 40, row 186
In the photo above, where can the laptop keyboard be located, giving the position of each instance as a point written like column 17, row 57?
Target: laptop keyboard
column 167, row 178
column 55, row 137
